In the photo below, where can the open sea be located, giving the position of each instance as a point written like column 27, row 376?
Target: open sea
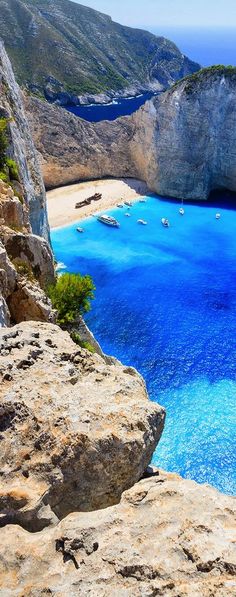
column 166, row 304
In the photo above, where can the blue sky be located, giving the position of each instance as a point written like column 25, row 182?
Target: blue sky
column 169, row 13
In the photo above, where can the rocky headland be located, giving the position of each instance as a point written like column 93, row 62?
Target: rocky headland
column 181, row 143
column 71, row 54
column 78, row 513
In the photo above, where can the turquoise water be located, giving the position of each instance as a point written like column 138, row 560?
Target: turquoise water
column 166, row 304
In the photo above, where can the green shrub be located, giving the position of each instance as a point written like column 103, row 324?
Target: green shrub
column 4, row 176
column 3, row 141
column 23, row 268
column 13, row 169
column 71, row 295
column 77, row 340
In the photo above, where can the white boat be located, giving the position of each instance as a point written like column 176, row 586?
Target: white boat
column 217, row 216
column 165, row 222
column 128, row 215
column 128, row 203
column 108, row 220
column 79, row 229
column 142, row 222
column 120, row 205
column 181, row 210
column 142, row 200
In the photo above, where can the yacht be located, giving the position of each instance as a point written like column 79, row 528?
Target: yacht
column 128, row 203
column 142, row 200
column 217, row 216
column 108, row 220
column 165, row 222
column 120, row 205
column 79, row 229
column 142, row 222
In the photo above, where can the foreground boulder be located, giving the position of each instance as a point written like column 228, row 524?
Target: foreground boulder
column 167, row 537
column 75, row 430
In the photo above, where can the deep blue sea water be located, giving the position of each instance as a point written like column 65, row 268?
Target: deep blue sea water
column 204, row 45
column 166, row 304
column 118, row 107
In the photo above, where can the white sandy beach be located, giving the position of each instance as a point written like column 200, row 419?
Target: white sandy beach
column 61, row 201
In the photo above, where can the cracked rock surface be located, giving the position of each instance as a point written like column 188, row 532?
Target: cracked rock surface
column 75, row 431
column 168, row 536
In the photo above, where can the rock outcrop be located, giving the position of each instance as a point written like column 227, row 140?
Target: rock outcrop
column 76, row 431
column 182, row 143
column 167, row 537
column 26, row 264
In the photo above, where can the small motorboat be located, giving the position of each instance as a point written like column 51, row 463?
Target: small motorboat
column 142, row 200
column 108, row 220
column 181, row 209
column 217, row 216
column 127, row 214
column 143, row 222
column 120, row 205
column 79, row 229
column 128, row 203
column 165, row 222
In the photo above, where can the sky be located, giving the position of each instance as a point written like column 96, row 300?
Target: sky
column 154, row 14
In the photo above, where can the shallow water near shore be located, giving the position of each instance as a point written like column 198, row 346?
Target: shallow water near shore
column 166, row 304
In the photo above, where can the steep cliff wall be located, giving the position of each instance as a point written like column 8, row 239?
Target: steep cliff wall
column 182, row 143
column 21, row 146
column 26, row 261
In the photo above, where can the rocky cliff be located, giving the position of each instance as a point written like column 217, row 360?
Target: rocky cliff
column 167, row 537
column 62, row 50
column 21, row 147
column 26, row 261
column 182, row 143
column 77, row 429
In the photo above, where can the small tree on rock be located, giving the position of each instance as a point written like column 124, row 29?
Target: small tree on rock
column 71, row 296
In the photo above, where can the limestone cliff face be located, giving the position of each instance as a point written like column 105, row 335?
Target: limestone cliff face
column 21, row 146
column 26, row 261
column 168, row 537
column 182, row 143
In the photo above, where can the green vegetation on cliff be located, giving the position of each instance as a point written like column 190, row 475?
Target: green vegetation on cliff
column 8, row 167
column 59, row 46
column 71, row 296
column 205, row 74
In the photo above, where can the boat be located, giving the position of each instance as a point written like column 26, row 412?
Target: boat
column 79, row 229
column 142, row 200
column 181, row 210
column 120, row 205
column 127, row 214
column 128, row 203
column 142, row 222
column 165, row 222
column 217, row 216
column 108, row 220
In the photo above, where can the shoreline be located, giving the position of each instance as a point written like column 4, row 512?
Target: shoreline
column 61, row 201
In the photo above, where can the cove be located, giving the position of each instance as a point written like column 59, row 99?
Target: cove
column 116, row 108
column 166, row 304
